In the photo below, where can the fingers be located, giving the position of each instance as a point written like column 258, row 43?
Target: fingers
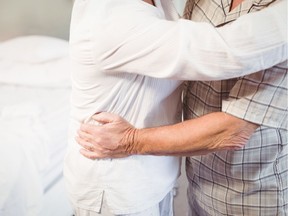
column 85, row 136
column 91, row 151
column 89, row 154
column 87, row 128
column 99, row 155
column 103, row 141
column 86, row 145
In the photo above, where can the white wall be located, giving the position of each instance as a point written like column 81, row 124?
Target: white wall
column 48, row 17
column 45, row 17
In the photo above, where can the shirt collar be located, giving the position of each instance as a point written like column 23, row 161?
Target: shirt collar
column 243, row 8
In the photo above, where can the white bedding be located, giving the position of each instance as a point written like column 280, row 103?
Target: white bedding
column 37, row 61
column 34, row 112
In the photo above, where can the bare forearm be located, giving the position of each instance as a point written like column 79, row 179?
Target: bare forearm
column 115, row 137
column 212, row 132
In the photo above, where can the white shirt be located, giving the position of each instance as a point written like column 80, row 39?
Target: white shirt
column 114, row 40
column 189, row 50
column 130, row 184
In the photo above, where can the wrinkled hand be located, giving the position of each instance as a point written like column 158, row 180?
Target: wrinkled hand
column 112, row 138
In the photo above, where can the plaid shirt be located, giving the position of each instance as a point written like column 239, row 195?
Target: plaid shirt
column 253, row 180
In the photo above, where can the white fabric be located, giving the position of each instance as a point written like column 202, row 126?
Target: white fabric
column 30, row 130
column 35, row 61
column 130, row 184
column 33, row 126
column 136, row 40
column 23, row 156
column 164, row 208
column 112, row 37
column 34, row 49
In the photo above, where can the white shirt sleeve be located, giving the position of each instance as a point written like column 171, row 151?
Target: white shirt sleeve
column 186, row 50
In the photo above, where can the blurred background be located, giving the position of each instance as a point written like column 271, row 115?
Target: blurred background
column 47, row 17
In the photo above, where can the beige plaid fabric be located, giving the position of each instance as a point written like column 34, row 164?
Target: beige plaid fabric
column 188, row 9
column 253, row 180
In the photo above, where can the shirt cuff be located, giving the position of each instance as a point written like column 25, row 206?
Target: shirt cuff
column 260, row 98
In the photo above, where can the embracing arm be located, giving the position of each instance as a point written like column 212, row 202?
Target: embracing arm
column 187, row 50
column 209, row 133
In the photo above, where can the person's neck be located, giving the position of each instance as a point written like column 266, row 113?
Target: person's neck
column 235, row 3
column 150, row 2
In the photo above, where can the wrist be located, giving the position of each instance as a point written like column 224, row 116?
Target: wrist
column 130, row 141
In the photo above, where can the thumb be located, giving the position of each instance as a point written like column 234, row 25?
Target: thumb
column 104, row 117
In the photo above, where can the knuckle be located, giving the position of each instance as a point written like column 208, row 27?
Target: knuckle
column 98, row 140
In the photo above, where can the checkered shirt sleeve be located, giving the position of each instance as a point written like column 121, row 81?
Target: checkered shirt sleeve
column 261, row 98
